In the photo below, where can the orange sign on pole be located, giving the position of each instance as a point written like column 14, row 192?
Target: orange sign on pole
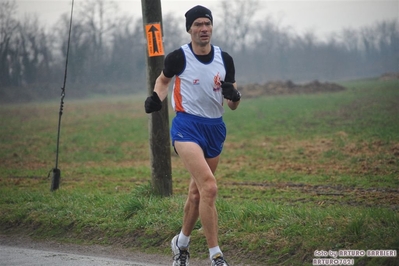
column 154, row 39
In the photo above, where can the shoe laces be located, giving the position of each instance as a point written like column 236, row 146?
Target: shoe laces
column 182, row 257
column 219, row 261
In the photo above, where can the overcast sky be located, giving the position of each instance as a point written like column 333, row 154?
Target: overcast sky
column 323, row 17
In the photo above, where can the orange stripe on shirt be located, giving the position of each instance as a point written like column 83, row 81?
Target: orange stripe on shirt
column 177, row 96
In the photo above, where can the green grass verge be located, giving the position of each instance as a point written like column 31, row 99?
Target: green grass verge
column 299, row 173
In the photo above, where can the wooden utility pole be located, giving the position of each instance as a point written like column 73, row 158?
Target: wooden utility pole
column 158, row 121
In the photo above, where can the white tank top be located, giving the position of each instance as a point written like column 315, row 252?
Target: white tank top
column 197, row 89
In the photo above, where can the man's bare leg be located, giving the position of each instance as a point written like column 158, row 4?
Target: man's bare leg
column 191, row 207
column 203, row 185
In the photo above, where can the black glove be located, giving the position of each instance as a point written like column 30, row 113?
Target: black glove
column 153, row 103
column 229, row 92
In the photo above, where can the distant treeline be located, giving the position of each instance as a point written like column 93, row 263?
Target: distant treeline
column 108, row 50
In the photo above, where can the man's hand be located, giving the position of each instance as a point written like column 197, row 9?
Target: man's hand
column 153, row 103
column 229, row 92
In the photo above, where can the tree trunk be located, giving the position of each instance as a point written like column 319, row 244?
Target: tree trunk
column 158, row 121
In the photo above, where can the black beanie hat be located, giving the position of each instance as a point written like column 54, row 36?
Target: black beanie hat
column 197, row 12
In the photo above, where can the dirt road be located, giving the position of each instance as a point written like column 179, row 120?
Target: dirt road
column 22, row 250
column 17, row 256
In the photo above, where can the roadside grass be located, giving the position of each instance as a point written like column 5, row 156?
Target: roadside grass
column 299, row 173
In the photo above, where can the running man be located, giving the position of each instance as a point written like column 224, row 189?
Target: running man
column 204, row 77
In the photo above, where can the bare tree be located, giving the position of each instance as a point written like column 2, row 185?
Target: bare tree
column 350, row 39
column 8, row 59
column 33, row 50
column 97, row 18
column 388, row 43
column 174, row 35
column 128, row 53
column 236, row 25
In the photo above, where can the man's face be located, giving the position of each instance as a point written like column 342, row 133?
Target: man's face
column 201, row 31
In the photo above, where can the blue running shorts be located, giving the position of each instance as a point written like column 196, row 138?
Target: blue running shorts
column 208, row 133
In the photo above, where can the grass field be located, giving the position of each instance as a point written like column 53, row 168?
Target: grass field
column 299, row 174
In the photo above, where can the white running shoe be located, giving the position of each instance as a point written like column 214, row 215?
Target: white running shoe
column 180, row 255
column 218, row 260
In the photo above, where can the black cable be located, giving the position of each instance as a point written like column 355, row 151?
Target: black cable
column 55, row 181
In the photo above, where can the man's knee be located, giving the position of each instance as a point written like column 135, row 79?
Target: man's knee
column 209, row 191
